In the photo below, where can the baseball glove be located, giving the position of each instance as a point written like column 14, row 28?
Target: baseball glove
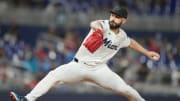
column 94, row 41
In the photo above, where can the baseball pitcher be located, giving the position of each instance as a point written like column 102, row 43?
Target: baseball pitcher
column 104, row 40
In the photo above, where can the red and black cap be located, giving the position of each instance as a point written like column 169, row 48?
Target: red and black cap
column 120, row 11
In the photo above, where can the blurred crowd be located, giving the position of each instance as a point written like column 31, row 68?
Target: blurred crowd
column 22, row 64
column 80, row 11
column 49, row 51
column 74, row 6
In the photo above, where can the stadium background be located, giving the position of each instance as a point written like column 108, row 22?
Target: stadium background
column 39, row 35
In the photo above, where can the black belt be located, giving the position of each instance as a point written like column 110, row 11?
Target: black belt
column 76, row 60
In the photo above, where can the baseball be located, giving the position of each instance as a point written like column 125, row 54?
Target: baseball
column 155, row 58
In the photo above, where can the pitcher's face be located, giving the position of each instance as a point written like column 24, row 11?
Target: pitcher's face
column 116, row 21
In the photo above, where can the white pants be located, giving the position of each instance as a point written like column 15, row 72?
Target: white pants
column 77, row 72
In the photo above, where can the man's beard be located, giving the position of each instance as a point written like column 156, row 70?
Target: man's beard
column 114, row 25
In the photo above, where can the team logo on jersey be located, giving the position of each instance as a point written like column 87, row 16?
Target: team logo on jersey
column 108, row 44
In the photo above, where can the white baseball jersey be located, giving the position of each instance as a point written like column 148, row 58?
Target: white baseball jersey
column 112, row 43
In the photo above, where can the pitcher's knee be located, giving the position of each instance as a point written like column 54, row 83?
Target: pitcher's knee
column 53, row 75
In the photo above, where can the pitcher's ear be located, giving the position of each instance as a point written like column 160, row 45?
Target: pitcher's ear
column 124, row 20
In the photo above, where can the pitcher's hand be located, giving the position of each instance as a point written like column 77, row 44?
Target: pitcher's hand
column 153, row 55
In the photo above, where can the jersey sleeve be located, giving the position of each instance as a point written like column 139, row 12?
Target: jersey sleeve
column 126, row 42
column 104, row 24
column 127, row 39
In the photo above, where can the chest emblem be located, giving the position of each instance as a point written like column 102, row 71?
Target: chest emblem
column 108, row 44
